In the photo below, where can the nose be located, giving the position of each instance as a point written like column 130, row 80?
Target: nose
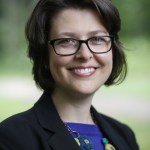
column 84, row 52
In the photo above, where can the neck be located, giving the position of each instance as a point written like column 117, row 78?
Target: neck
column 73, row 108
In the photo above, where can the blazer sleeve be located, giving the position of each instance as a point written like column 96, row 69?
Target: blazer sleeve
column 8, row 138
column 20, row 133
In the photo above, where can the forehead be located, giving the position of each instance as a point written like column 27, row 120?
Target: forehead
column 77, row 21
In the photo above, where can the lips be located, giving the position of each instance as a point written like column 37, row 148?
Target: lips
column 83, row 71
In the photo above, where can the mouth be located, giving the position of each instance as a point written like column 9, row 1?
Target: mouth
column 83, row 71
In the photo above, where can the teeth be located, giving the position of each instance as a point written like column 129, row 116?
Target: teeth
column 85, row 70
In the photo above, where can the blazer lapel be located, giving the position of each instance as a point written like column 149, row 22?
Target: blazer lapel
column 114, row 138
column 63, row 141
column 57, row 134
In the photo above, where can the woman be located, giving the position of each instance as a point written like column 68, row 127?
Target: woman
column 75, row 49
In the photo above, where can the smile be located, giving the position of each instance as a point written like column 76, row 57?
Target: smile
column 83, row 71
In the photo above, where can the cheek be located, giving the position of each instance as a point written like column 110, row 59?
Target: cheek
column 54, row 64
column 109, row 61
column 105, row 60
column 57, row 63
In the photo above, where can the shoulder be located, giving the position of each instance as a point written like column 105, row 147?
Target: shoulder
column 119, row 130
column 117, row 125
column 18, row 120
column 16, row 131
column 114, row 122
column 110, row 122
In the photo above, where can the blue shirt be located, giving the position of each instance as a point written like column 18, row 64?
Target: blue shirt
column 90, row 130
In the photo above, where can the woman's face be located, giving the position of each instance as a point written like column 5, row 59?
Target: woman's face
column 83, row 72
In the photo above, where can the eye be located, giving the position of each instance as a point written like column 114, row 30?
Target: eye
column 66, row 42
column 97, row 40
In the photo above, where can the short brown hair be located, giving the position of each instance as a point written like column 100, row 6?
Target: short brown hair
column 38, row 27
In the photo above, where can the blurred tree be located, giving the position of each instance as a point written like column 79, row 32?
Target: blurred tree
column 13, row 17
column 135, row 17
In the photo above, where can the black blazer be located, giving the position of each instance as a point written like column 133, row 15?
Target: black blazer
column 41, row 128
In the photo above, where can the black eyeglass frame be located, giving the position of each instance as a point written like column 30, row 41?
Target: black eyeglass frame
column 52, row 42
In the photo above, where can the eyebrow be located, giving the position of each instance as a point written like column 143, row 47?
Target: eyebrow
column 98, row 32
column 91, row 33
column 71, row 34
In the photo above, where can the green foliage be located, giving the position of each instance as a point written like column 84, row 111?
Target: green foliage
column 141, row 130
column 135, row 17
column 13, row 46
column 11, row 107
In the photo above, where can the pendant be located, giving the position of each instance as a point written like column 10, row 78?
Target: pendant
column 84, row 142
column 107, row 145
column 77, row 140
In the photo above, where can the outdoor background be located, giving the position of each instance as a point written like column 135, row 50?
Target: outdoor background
column 128, row 102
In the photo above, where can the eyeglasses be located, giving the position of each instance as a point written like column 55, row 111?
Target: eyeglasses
column 70, row 46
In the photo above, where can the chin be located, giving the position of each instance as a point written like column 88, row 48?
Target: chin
column 85, row 92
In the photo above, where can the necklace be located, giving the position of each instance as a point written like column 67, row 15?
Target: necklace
column 107, row 145
column 85, row 142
